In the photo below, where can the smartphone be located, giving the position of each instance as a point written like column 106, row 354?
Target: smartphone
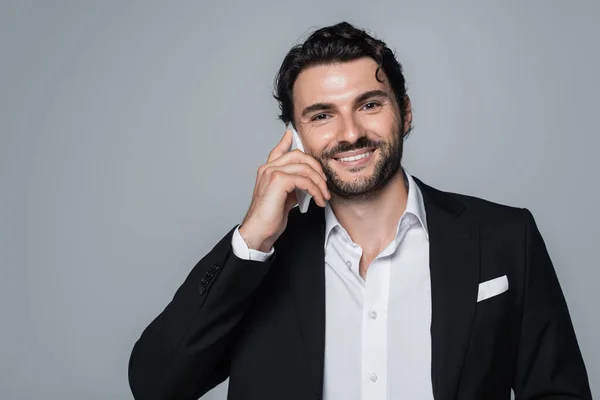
column 302, row 196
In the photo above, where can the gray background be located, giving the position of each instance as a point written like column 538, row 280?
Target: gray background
column 131, row 133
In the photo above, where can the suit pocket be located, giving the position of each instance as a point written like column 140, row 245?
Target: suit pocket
column 493, row 308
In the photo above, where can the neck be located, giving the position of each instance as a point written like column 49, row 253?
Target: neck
column 372, row 223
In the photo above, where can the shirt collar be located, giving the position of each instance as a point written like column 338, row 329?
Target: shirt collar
column 414, row 206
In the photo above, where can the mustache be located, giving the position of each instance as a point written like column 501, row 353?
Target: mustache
column 361, row 143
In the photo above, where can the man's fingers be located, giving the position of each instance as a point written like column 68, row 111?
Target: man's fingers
column 295, row 157
column 307, row 184
column 290, row 182
column 305, row 170
column 282, row 147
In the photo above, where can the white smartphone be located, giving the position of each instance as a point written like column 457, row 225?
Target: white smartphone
column 302, row 196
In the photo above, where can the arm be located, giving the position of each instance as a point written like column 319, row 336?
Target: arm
column 549, row 362
column 184, row 352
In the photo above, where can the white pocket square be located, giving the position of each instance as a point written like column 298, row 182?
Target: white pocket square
column 492, row 288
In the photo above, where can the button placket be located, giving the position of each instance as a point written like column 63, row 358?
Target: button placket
column 374, row 343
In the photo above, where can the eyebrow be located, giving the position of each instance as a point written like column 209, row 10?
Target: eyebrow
column 329, row 106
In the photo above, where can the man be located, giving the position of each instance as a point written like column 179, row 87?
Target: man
column 385, row 289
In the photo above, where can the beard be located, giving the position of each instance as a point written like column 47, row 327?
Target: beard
column 363, row 188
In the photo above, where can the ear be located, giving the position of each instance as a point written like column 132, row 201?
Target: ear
column 407, row 115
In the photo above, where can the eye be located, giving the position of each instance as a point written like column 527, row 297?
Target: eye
column 371, row 105
column 319, row 117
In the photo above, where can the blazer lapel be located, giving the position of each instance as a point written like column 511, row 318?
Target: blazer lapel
column 454, row 269
column 307, row 274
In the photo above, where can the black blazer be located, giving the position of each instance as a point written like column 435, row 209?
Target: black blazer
column 263, row 324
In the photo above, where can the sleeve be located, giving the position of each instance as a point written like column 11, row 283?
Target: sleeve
column 241, row 250
column 185, row 351
column 549, row 361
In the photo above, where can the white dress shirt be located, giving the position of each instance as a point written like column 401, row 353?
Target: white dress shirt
column 377, row 330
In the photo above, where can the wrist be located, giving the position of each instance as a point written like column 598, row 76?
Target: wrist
column 253, row 241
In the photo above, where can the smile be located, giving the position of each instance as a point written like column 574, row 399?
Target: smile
column 356, row 159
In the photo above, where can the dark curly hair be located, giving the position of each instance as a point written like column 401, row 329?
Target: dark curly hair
column 333, row 44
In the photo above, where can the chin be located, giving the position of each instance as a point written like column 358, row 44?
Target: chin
column 356, row 177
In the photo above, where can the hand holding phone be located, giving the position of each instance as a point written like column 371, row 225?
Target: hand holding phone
column 286, row 179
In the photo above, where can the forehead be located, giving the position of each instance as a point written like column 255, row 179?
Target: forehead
column 337, row 83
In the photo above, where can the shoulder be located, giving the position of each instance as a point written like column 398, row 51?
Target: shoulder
column 487, row 212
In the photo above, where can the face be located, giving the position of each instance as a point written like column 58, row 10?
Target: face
column 350, row 122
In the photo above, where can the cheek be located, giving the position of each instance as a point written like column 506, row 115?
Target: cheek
column 382, row 122
column 319, row 139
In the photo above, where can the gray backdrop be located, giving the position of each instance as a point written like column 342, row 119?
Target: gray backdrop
column 131, row 133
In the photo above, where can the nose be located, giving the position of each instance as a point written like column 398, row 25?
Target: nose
column 350, row 130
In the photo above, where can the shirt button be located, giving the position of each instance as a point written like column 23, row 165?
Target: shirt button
column 373, row 378
column 349, row 263
column 373, row 315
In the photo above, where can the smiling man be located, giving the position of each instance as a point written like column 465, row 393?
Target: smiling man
column 386, row 288
column 355, row 102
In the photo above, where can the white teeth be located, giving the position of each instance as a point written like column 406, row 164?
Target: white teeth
column 358, row 157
